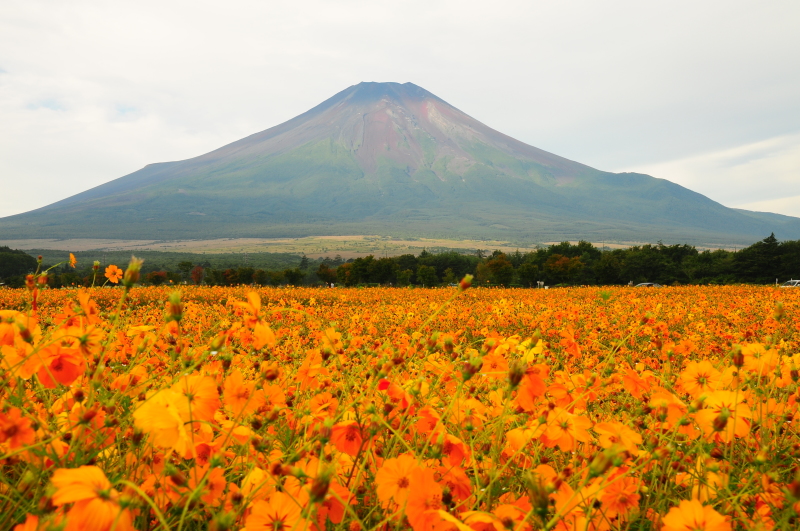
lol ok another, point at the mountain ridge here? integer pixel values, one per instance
(391, 159)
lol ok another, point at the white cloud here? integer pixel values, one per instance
(92, 91)
(761, 175)
(789, 206)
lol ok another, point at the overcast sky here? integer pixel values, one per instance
(705, 94)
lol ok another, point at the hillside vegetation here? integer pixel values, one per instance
(763, 262)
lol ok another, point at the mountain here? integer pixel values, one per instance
(390, 159)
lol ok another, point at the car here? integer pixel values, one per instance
(648, 285)
(791, 284)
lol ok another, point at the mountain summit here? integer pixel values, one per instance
(392, 159)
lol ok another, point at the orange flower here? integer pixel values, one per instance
(72, 260)
(201, 396)
(565, 430)
(424, 499)
(280, 512)
(725, 416)
(698, 378)
(611, 433)
(60, 364)
(214, 484)
(346, 436)
(16, 429)
(240, 397)
(114, 274)
(164, 415)
(394, 478)
(691, 515)
(620, 497)
(96, 505)
(31, 523)
(323, 405)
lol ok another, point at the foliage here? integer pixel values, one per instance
(560, 264)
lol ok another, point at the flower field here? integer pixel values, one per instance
(469, 409)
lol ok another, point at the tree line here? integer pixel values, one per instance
(564, 264)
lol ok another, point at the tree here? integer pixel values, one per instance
(383, 271)
(563, 269)
(326, 274)
(426, 275)
(197, 275)
(501, 271)
(156, 278)
(760, 262)
(294, 277)
(608, 269)
(245, 275)
(275, 278)
(449, 276)
(343, 274)
(14, 262)
(230, 277)
(405, 277)
(528, 274)
(185, 268)
(261, 277)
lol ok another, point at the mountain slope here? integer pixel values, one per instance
(394, 159)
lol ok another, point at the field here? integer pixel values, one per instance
(312, 246)
(482, 409)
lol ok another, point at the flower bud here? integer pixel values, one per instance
(465, 283)
(537, 493)
(319, 488)
(515, 374)
(780, 313)
(96, 266)
(738, 357)
(132, 273)
(722, 420)
(174, 307)
(471, 368)
(603, 461)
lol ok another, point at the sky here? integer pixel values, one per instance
(704, 94)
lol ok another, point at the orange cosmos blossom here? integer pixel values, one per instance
(394, 478)
(60, 365)
(611, 433)
(95, 504)
(31, 523)
(725, 416)
(280, 512)
(621, 496)
(565, 430)
(700, 377)
(323, 405)
(164, 415)
(114, 274)
(15, 429)
(72, 260)
(347, 437)
(424, 499)
(200, 393)
(691, 515)
(240, 397)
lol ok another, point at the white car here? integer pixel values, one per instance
(791, 284)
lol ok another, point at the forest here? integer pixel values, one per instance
(767, 261)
